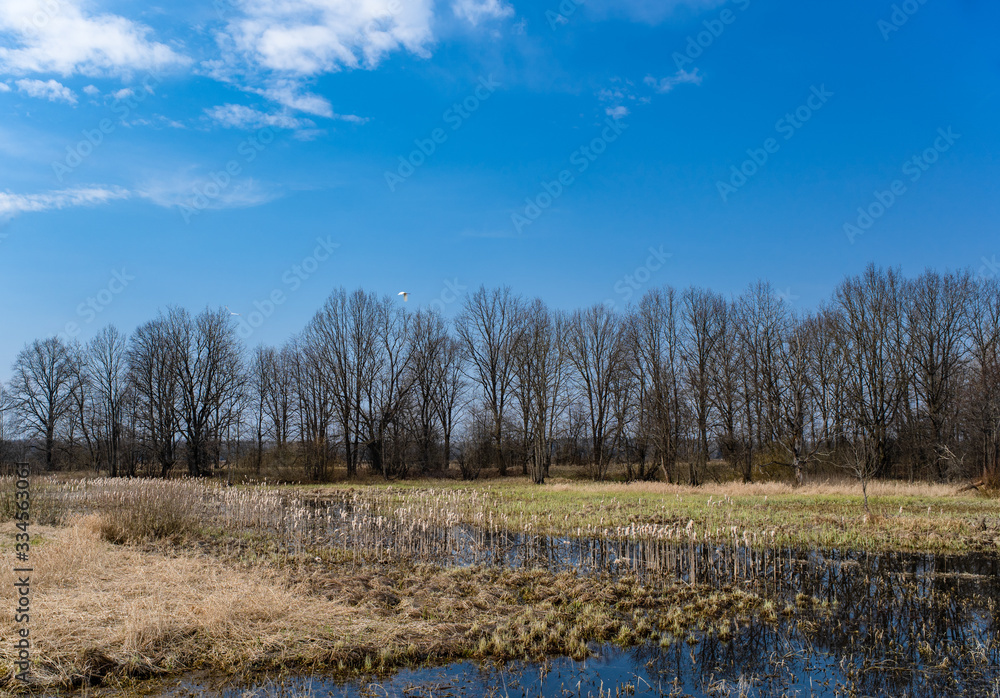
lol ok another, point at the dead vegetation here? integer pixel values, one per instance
(106, 613)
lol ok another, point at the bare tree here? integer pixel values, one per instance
(984, 340)
(7, 429)
(861, 458)
(759, 321)
(936, 308)
(596, 349)
(871, 332)
(43, 390)
(702, 314)
(449, 391)
(272, 393)
(209, 377)
(388, 388)
(259, 382)
(541, 357)
(656, 344)
(725, 385)
(107, 359)
(86, 420)
(316, 404)
(489, 327)
(830, 367)
(154, 377)
(803, 435)
(430, 340)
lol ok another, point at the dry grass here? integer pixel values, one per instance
(829, 487)
(99, 608)
(150, 510)
(111, 613)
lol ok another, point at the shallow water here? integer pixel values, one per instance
(898, 625)
(891, 625)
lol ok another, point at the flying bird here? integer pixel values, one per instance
(405, 295)
(230, 311)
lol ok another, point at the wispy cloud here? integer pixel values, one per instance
(60, 37)
(49, 89)
(239, 116)
(187, 192)
(12, 204)
(275, 47)
(681, 77)
(4, 87)
(476, 11)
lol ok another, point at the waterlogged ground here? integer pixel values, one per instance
(833, 623)
(896, 625)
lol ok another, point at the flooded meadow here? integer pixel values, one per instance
(780, 621)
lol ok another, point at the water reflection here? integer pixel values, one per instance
(895, 625)
(846, 624)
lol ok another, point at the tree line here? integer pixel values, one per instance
(891, 377)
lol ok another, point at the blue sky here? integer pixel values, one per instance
(120, 120)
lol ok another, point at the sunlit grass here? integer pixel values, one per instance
(906, 517)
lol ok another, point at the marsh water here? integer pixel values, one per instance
(897, 625)
(888, 624)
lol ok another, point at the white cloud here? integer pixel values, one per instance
(475, 11)
(157, 121)
(274, 47)
(182, 191)
(239, 116)
(50, 90)
(664, 85)
(618, 112)
(91, 91)
(289, 94)
(13, 204)
(57, 36)
(4, 87)
(311, 37)
(123, 93)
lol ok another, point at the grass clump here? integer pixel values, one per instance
(150, 511)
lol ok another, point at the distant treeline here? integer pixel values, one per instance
(893, 377)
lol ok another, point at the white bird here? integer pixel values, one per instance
(230, 311)
(405, 295)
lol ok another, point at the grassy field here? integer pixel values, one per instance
(828, 515)
(130, 583)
